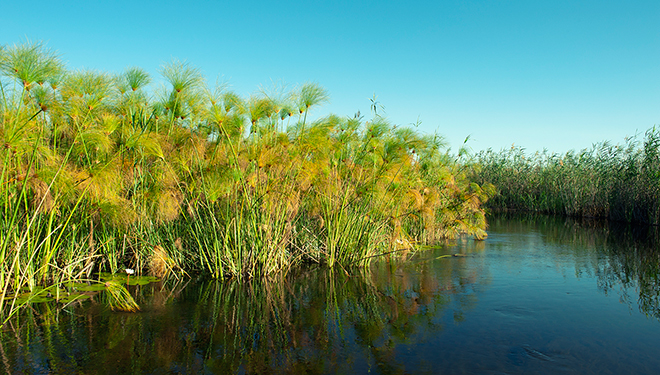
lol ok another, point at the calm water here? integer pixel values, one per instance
(539, 296)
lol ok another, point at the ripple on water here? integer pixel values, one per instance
(542, 361)
(514, 312)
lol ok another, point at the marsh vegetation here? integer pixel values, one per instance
(102, 171)
(619, 182)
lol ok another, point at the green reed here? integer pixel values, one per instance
(619, 182)
(100, 174)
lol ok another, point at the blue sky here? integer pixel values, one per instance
(541, 74)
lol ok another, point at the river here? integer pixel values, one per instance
(540, 295)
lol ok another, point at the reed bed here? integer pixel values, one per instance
(619, 182)
(101, 172)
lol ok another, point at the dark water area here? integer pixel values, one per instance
(541, 295)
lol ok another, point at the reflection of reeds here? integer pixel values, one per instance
(315, 312)
(316, 321)
(624, 259)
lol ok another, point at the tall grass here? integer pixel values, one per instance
(99, 172)
(619, 182)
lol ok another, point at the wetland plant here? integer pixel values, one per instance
(618, 182)
(100, 173)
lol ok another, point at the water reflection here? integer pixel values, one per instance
(495, 306)
(624, 259)
(313, 322)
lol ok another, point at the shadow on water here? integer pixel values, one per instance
(494, 306)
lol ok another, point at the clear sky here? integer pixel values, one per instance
(541, 74)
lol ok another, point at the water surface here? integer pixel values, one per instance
(539, 296)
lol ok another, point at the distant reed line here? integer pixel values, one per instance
(618, 182)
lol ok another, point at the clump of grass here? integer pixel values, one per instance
(619, 182)
(160, 263)
(96, 173)
(119, 298)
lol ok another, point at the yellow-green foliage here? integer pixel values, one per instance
(226, 185)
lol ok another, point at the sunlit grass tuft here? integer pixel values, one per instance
(98, 174)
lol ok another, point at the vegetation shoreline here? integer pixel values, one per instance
(615, 182)
(99, 174)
